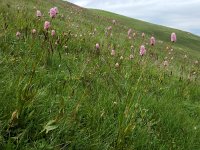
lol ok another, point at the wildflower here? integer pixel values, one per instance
(117, 65)
(114, 22)
(109, 28)
(143, 34)
(121, 58)
(173, 37)
(134, 34)
(38, 13)
(53, 33)
(142, 50)
(131, 56)
(33, 31)
(47, 25)
(56, 9)
(113, 52)
(53, 12)
(165, 63)
(132, 47)
(97, 46)
(18, 34)
(152, 41)
(129, 32)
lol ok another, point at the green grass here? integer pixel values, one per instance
(59, 93)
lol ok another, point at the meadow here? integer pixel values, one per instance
(76, 78)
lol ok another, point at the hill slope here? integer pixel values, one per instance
(186, 40)
(63, 92)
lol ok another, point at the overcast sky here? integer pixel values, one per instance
(180, 14)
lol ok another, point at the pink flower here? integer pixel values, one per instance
(142, 50)
(129, 32)
(53, 33)
(33, 31)
(97, 46)
(38, 13)
(113, 52)
(152, 41)
(53, 12)
(173, 37)
(18, 34)
(47, 25)
(56, 9)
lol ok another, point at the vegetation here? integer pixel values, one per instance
(62, 91)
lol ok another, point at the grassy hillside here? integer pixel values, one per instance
(186, 40)
(61, 92)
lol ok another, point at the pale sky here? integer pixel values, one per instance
(180, 14)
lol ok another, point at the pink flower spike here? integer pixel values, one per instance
(152, 41)
(129, 32)
(142, 50)
(97, 46)
(47, 25)
(53, 12)
(38, 13)
(53, 33)
(173, 37)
